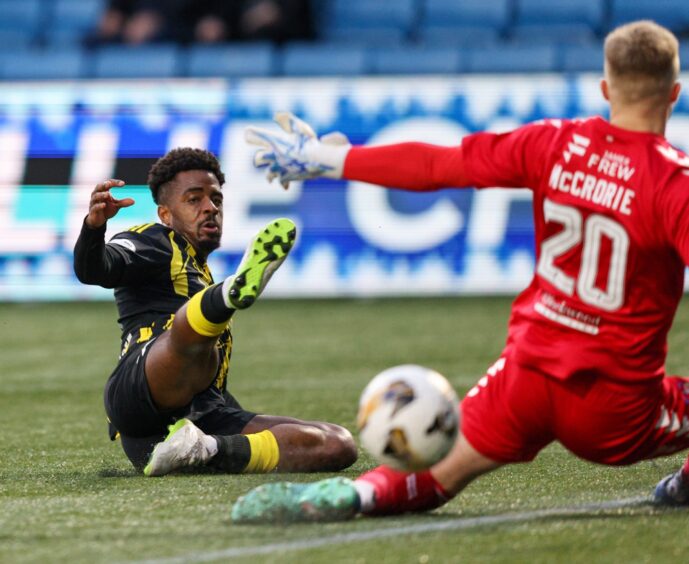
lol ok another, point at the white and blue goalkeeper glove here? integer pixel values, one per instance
(295, 153)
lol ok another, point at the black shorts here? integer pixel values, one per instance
(140, 424)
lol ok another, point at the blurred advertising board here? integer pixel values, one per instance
(57, 140)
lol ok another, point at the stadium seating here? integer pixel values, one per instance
(400, 14)
(327, 60)
(17, 38)
(22, 16)
(495, 14)
(231, 60)
(367, 36)
(559, 34)
(684, 58)
(459, 35)
(467, 23)
(414, 60)
(546, 12)
(670, 13)
(72, 20)
(151, 61)
(43, 64)
(25, 13)
(512, 58)
(558, 22)
(582, 58)
(78, 13)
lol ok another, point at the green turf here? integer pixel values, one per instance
(68, 495)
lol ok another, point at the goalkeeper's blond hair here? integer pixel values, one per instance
(641, 61)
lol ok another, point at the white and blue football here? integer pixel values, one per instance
(408, 417)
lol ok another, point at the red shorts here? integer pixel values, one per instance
(513, 412)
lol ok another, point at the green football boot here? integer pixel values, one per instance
(333, 499)
(264, 255)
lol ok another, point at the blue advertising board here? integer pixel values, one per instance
(57, 140)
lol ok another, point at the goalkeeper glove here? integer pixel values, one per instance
(295, 153)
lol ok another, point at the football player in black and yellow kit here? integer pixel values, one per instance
(167, 398)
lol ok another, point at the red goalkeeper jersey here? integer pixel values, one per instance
(611, 228)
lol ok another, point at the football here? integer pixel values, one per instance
(408, 417)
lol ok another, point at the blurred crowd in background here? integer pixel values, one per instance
(93, 39)
(136, 22)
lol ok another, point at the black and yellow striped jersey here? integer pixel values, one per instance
(154, 271)
(161, 272)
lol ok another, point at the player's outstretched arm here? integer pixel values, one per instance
(94, 262)
(296, 153)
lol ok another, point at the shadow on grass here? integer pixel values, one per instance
(438, 522)
(118, 473)
(133, 472)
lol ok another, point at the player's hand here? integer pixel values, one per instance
(295, 153)
(104, 205)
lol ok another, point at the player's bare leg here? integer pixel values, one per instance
(384, 491)
(307, 446)
(461, 467)
(180, 364)
(183, 361)
(267, 444)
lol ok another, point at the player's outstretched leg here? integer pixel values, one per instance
(263, 256)
(208, 312)
(381, 491)
(672, 490)
(185, 445)
(333, 499)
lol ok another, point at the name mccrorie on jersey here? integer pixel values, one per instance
(592, 187)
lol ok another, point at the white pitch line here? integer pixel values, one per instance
(359, 536)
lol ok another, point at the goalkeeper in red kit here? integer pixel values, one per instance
(584, 361)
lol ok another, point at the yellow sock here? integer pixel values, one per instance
(198, 321)
(265, 453)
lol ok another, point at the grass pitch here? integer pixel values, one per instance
(67, 494)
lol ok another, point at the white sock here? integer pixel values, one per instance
(211, 445)
(367, 495)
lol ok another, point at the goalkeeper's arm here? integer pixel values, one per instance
(297, 153)
(411, 166)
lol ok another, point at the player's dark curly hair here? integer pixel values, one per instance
(180, 160)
